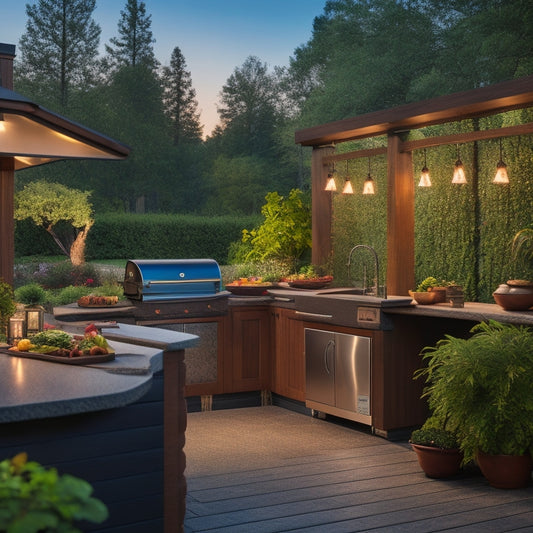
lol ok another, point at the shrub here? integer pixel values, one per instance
(30, 294)
(63, 274)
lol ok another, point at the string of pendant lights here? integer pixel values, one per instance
(459, 176)
(369, 186)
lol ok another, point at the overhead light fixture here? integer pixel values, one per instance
(330, 184)
(348, 189)
(459, 177)
(425, 180)
(501, 177)
(369, 186)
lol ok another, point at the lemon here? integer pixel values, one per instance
(23, 345)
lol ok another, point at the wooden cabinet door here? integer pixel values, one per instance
(289, 356)
(250, 349)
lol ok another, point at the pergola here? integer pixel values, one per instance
(395, 123)
(31, 135)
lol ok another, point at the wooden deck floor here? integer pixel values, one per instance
(262, 470)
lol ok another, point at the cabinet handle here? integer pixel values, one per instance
(331, 343)
(316, 315)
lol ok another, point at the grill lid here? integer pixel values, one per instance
(171, 279)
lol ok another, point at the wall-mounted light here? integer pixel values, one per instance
(330, 183)
(368, 186)
(425, 180)
(347, 189)
(459, 177)
(501, 176)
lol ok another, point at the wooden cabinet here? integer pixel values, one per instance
(288, 361)
(248, 350)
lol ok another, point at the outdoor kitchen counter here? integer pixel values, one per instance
(472, 311)
(34, 389)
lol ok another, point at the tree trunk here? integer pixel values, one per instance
(77, 249)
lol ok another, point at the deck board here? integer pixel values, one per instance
(361, 484)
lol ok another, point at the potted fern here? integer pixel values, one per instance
(437, 449)
(482, 387)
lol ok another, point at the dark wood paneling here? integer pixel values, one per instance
(118, 451)
(250, 349)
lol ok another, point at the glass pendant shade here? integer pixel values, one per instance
(459, 177)
(368, 186)
(348, 189)
(425, 180)
(501, 176)
(330, 184)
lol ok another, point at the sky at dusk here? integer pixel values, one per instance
(214, 36)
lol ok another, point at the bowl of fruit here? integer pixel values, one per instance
(308, 278)
(251, 286)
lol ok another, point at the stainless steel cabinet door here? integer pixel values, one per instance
(352, 373)
(320, 366)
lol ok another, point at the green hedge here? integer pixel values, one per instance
(131, 236)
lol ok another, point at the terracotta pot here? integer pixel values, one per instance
(506, 471)
(514, 298)
(440, 294)
(436, 462)
(423, 298)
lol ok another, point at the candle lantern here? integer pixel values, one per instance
(16, 329)
(34, 319)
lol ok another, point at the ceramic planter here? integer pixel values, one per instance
(438, 462)
(506, 471)
(514, 296)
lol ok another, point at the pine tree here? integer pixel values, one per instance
(179, 100)
(59, 48)
(134, 46)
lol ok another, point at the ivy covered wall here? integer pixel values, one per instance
(463, 233)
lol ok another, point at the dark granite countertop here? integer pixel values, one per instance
(474, 311)
(33, 389)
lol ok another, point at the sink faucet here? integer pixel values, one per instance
(375, 288)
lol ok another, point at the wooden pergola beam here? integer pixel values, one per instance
(485, 101)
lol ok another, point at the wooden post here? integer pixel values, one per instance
(321, 207)
(401, 219)
(7, 180)
(174, 424)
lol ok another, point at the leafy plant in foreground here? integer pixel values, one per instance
(35, 498)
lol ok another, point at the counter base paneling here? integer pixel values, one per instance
(119, 451)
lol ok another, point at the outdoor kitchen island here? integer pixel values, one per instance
(107, 423)
(258, 351)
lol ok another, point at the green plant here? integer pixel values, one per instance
(427, 284)
(285, 233)
(435, 435)
(35, 499)
(30, 294)
(522, 250)
(482, 387)
(7, 307)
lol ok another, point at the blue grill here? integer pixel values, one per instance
(151, 280)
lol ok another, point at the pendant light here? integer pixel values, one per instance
(330, 184)
(348, 189)
(425, 180)
(459, 177)
(501, 177)
(369, 186)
